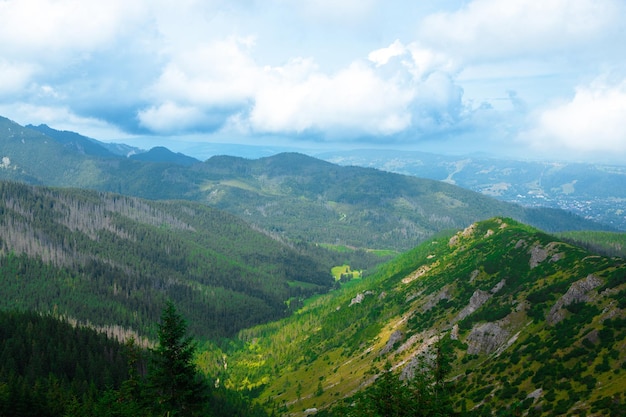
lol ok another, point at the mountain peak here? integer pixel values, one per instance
(162, 154)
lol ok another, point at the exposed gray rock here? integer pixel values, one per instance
(454, 333)
(444, 294)
(579, 291)
(394, 338)
(498, 286)
(538, 254)
(474, 274)
(478, 299)
(467, 232)
(360, 297)
(535, 394)
(486, 338)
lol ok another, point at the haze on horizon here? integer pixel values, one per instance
(516, 78)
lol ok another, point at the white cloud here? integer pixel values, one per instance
(405, 88)
(354, 101)
(499, 29)
(61, 118)
(14, 77)
(219, 73)
(170, 117)
(50, 26)
(594, 120)
(218, 77)
(383, 55)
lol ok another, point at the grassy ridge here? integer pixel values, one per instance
(537, 323)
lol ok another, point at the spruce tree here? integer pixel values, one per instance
(176, 388)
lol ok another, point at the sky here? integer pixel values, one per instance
(523, 78)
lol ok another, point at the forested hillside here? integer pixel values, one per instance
(113, 260)
(308, 199)
(49, 367)
(46, 365)
(607, 243)
(294, 196)
(534, 325)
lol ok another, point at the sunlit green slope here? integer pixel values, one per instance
(537, 324)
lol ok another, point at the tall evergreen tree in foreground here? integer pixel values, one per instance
(175, 386)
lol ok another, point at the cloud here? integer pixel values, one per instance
(220, 80)
(353, 102)
(61, 118)
(213, 80)
(494, 29)
(215, 74)
(593, 121)
(51, 27)
(383, 55)
(14, 77)
(170, 117)
(394, 96)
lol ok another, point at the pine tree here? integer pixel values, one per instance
(174, 383)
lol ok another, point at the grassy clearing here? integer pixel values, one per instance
(344, 271)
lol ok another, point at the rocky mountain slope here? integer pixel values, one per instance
(538, 327)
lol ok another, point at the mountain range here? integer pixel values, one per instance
(288, 194)
(594, 191)
(306, 283)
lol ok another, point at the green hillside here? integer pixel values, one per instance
(308, 199)
(606, 243)
(112, 261)
(537, 325)
(290, 195)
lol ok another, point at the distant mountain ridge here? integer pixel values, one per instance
(161, 154)
(313, 200)
(75, 142)
(593, 191)
(291, 195)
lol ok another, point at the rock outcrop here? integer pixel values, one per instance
(486, 338)
(579, 291)
(394, 338)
